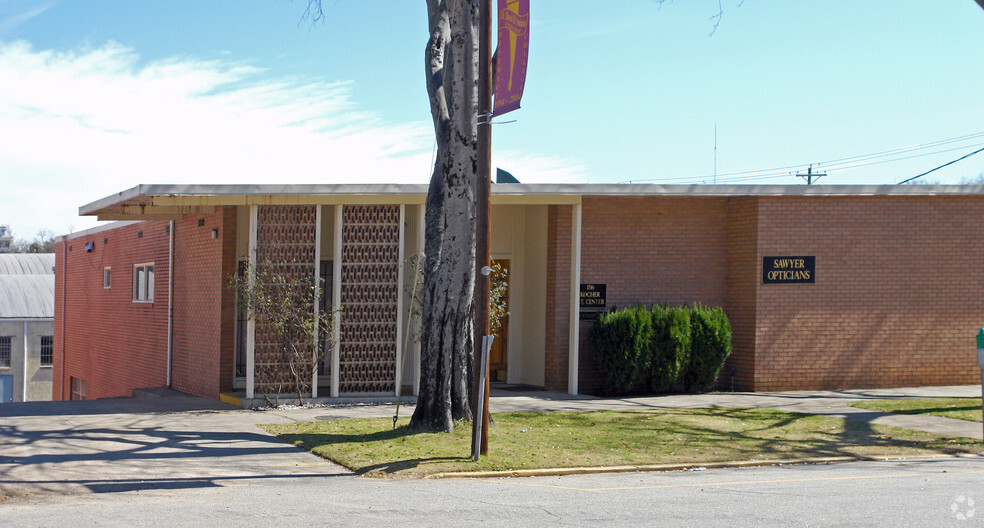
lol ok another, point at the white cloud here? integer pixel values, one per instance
(80, 125)
(529, 168)
(13, 13)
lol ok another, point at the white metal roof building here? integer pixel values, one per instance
(27, 264)
(27, 311)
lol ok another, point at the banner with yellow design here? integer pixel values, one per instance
(512, 55)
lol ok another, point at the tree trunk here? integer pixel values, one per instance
(446, 342)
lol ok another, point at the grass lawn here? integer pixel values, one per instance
(959, 408)
(609, 438)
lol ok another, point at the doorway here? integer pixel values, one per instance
(6, 388)
(498, 367)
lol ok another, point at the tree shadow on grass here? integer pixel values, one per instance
(312, 441)
(787, 435)
(938, 411)
(402, 465)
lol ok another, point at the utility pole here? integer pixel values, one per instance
(483, 194)
(809, 176)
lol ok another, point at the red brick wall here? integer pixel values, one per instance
(650, 250)
(898, 298)
(112, 343)
(204, 305)
(740, 295)
(557, 341)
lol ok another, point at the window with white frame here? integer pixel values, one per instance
(143, 282)
(78, 388)
(47, 350)
(107, 277)
(5, 351)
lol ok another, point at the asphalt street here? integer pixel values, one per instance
(943, 492)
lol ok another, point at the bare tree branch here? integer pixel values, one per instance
(314, 12)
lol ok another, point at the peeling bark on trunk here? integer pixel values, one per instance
(447, 348)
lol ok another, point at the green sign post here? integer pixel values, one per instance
(980, 362)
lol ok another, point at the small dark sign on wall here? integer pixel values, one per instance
(593, 296)
(789, 270)
(589, 316)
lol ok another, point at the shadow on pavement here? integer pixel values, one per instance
(113, 406)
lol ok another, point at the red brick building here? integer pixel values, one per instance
(826, 286)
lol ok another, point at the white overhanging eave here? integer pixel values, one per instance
(144, 200)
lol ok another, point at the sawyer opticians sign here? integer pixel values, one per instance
(593, 295)
(789, 270)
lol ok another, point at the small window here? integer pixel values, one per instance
(5, 351)
(107, 278)
(78, 388)
(143, 282)
(47, 350)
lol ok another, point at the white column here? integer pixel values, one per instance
(572, 360)
(251, 323)
(399, 301)
(336, 295)
(317, 297)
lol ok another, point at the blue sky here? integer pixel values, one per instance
(97, 96)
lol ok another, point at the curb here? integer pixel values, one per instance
(550, 472)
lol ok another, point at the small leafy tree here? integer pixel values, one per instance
(498, 294)
(283, 305)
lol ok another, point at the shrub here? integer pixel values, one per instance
(622, 342)
(666, 348)
(710, 332)
(671, 346)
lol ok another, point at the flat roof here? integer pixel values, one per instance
(171, 201)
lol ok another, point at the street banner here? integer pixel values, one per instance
(512, 54)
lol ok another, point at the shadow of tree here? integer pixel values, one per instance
(28, 454)
(310, 441)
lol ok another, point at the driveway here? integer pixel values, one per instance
(171, 442)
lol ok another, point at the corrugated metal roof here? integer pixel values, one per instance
(27, 296)
(27, 264)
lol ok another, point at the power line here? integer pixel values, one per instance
(965, 156)
(846, 163)
(810, 176)
(908, 148)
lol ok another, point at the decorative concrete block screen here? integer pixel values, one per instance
(285, 237)
(370, 289)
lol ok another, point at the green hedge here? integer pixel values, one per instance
(662, 349)
(623, 340)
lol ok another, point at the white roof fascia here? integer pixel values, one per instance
(532, 189)
(99, 229)
(113, 199)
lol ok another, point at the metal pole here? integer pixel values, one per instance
(980, 363)
(483, 248)
(482, 395)
(26, 348)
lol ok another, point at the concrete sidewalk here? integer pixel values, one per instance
(181, 441)
(830, 403)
